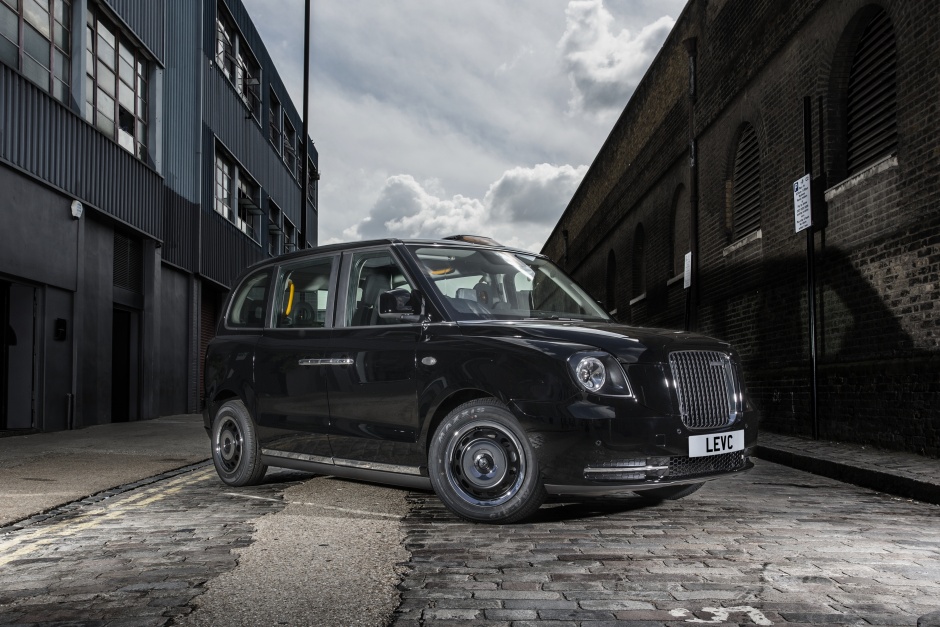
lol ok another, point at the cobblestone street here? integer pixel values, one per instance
(774, 546)
(135, 557)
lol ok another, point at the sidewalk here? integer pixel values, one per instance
(44, 470)
(901, 474)
(41, 471)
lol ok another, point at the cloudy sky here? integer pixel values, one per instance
(436, 117)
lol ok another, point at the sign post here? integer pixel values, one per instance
(803, 220)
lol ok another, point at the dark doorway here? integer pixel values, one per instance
(125, 359)
(7, 335)
(17, 359)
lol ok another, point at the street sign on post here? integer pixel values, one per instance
(687, 279)
(802, 204)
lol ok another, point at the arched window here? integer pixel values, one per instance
(745, 185)
(639, 262)
(611, 297)
(871, 99)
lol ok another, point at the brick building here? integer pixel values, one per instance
(745, 97)
(148, 153)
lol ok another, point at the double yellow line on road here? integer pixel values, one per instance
(35, 539)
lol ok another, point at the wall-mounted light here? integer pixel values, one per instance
(77, 209)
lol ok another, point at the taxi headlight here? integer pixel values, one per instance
(599, 373)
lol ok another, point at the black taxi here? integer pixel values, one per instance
(480, 372)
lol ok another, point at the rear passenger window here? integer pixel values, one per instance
(372, 273)
(303, 295)
(247, 308)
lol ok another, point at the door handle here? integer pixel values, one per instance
(334, 361)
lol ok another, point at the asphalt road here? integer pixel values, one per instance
(774, 546)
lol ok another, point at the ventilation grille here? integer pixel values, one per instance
(705, 387)
(128, 264)
(746, 207)
(872, 96)
(680, 467)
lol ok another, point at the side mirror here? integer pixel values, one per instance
(401, 305)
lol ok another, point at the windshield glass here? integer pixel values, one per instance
(481, 284)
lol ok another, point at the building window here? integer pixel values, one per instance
(290, 236)
(745, 185)
(274, 121)
(312, 178)
(35, 38)
(871, 101)
(242, 209)
(274, 229)
(237, 63)
(290, 147)
(639, 262)
(116, 84)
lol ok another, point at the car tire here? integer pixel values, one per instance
(482, 465)
(670, 493)
(235, 445)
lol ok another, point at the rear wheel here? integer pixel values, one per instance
(235, 446)
(482, 465)
(670, 493)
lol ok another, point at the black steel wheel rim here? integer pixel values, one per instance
(485, 463)
(229, 444)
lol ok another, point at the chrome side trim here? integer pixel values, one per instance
(401, 470)
(326, 362)
(621, 469)
(316, 459)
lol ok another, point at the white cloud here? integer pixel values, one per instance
(605, 68)
(519, 209)
(429, 107)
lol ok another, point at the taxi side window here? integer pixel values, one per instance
(303, 295)
(247, 308)
(372, 274)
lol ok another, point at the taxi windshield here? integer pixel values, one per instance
(487, 284)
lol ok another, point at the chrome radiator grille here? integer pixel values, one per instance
(705, 386)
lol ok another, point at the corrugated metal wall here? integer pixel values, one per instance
(146, 19)
(44, 138)
(225, 251)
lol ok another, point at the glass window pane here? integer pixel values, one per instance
(13, 4)
(37, 14)
(62, 38)
(60, 90)
(126, 54)
(105, 104)
(89, 111)
(61, 11)
(9, 24)
(8, 52)
(89, 63)
(127, 72)
(126, 96)
(36, 45)
(126, 141)
(105, 125)
(105, 51)
(61, 66)
(105, 78)
(106, 33)
(36, 72)
(141, 133)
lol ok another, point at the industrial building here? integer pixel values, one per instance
(689, 217)
(149, 151)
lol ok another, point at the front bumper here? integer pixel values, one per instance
(585, 448)
(654, 475)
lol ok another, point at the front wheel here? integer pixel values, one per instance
(482, 465)
(235, 445)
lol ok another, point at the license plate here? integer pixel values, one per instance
(716, 443)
